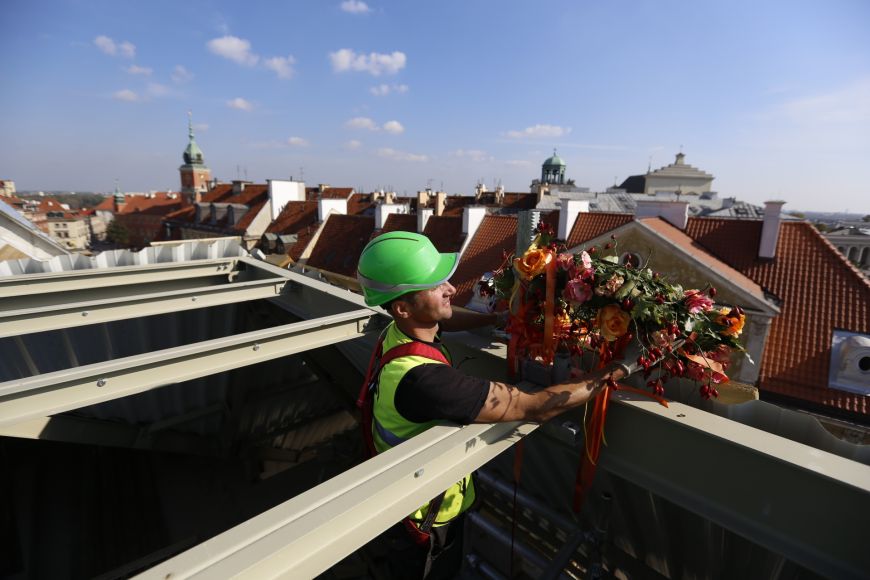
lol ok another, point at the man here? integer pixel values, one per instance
(404, 273)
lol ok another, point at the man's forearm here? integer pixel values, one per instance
(508, 403)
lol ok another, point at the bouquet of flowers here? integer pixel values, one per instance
(594, 302)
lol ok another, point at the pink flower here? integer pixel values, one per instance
(697, 302)
(565, 261)
(577, 291)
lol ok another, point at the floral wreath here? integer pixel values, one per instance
(592, 302)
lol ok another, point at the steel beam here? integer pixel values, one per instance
(41, 283)
(52, 393)
(806, 504)
(798, 501)
(307, 534)
(66, 315)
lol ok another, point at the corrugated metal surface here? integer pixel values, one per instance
(163, 253)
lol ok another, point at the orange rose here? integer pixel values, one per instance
(733, 323)
(612, 321)
(533, 262)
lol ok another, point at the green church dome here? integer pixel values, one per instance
(555, 160)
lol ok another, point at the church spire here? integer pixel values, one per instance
(193, 154)
(195, 176)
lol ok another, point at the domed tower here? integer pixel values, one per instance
(553, 170)
(194, 173)
(119, 198)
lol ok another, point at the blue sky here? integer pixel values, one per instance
(773, 98)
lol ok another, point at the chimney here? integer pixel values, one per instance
(382, 211)
(770, 229)
(423, 216)
(541, 189)
(675, 212)
(472, 217)
(390, 197)
(440, 203)
(570, 209)
(422, 199)
(325, 206)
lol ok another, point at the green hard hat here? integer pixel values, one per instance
(396, 263)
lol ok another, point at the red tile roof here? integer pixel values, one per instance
(445, 233)
(519, 201)
(359, 203)
(312, 193)
(341, 242)
(253, 211)
(399, 222)
(496, 236)
(454, 204)
(160, 203)
(296, 215)
(49, 204)
(590, 225)
(820, 292)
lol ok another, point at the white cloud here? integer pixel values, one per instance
(181, 74)
(139, 70)
(539, 131)
(283, 66)
(373, 63)
(393, 127)
(368, 124)
(384, 89)
(297, 142)
(476, 155)
(110, 47)
(233, 48)
(200, 127)
(355, 6)
(353, 144)
(127, 49)
(361, 123)
(126, 95)
(158, 90)
(518, 163)
(388, 153)
(240, 104)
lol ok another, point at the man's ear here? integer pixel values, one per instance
(400, 309)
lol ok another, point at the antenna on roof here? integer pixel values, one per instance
(238, 172)
(246, 172)
(649, 165)
(301, 173)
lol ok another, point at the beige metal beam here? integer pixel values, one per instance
(52, 393)
(66, 315)
(809, 505)
(798, 501)
(306, 535)
(24, 284)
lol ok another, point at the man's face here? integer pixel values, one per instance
(432, 305)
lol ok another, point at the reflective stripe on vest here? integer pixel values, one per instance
(390, 428)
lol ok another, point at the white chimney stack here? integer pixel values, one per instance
(568, 212)
(675, 212)
(327, 205)
(382, 211)
(423, 216)
(472, 217)
(770, 229)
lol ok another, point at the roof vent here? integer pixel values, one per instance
(850, 362)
